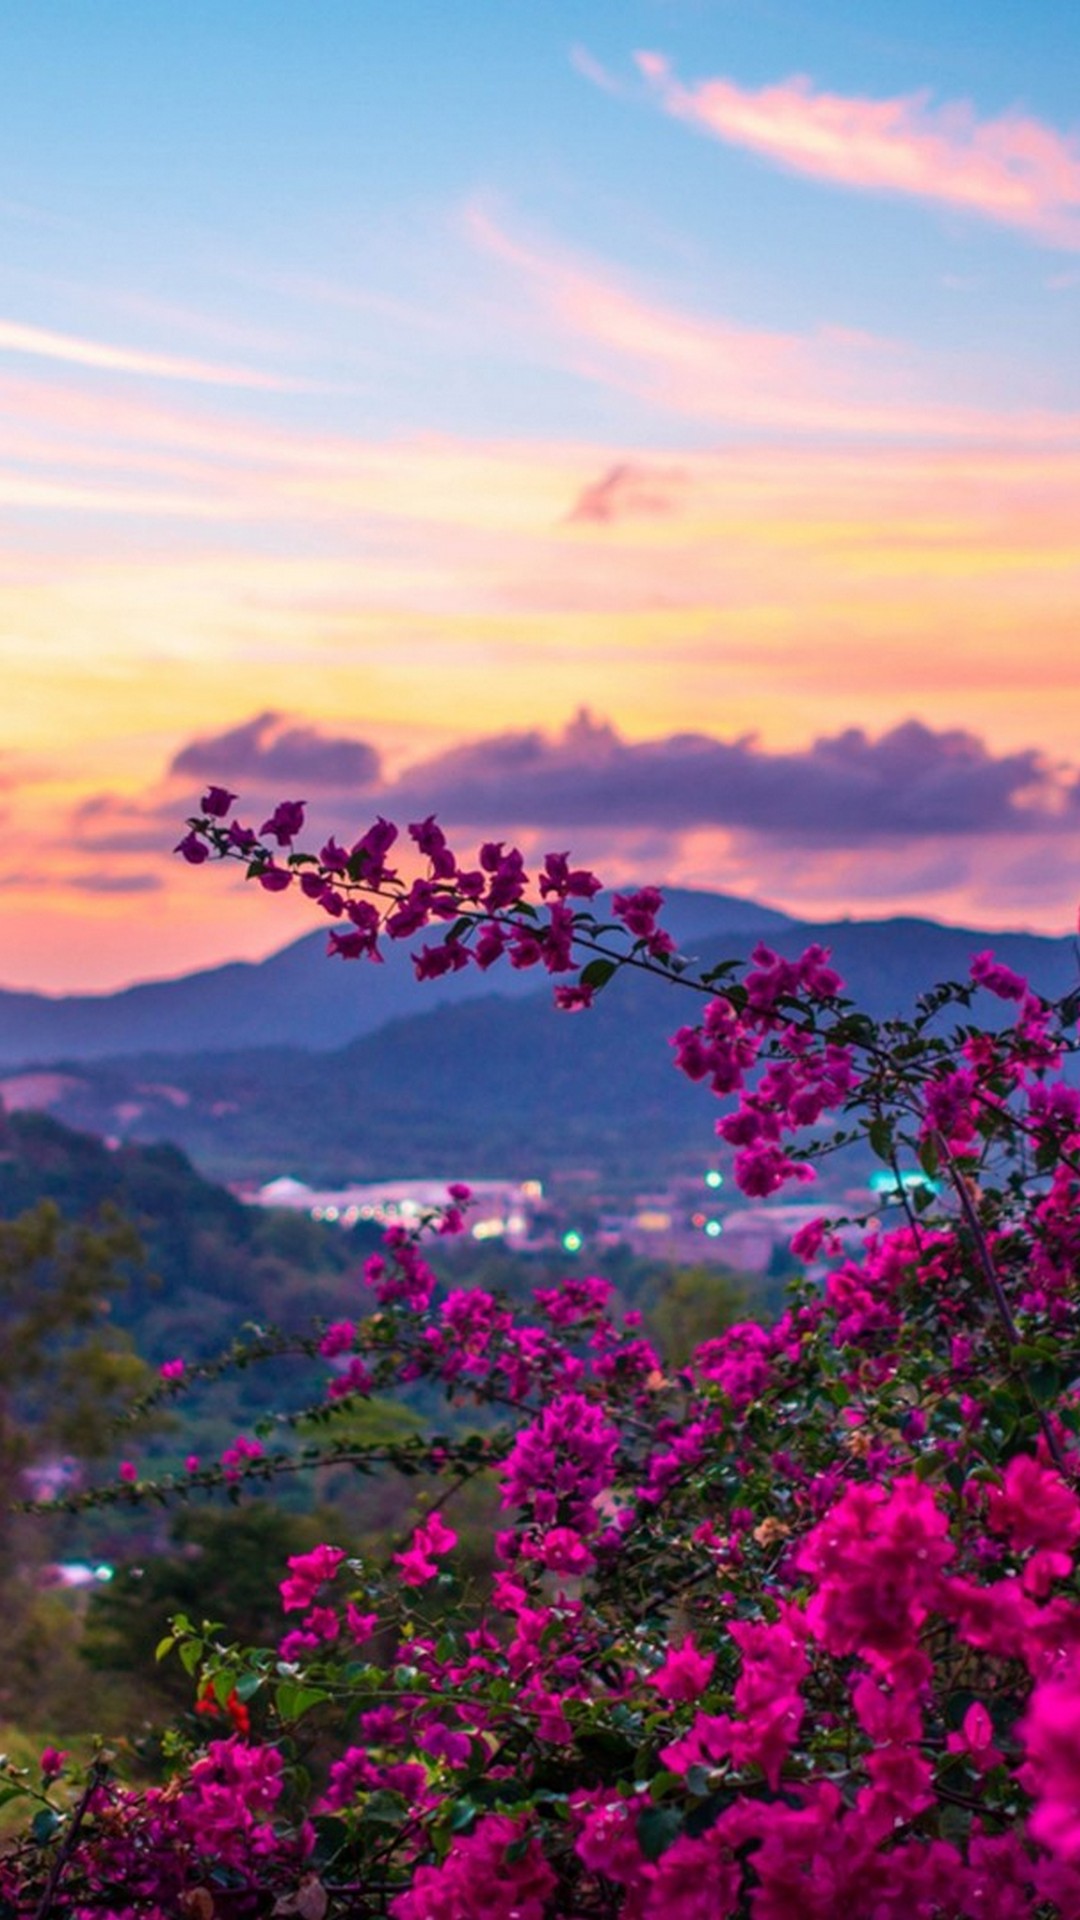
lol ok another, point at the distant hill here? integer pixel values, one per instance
(212, 1260)
(294, 998)
(497, 1085)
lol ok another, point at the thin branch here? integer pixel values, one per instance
(1005, 1312)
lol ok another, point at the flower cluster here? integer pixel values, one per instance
(791, 1631)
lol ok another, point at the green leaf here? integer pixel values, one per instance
(1045, 1383)
(191, 1653)
(165, 1646)
(44, 1825)
(657, 1827)
(292, 1699)
(223, 1686)
(598, 973)
(879, 1134)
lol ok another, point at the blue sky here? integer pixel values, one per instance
(422, 374)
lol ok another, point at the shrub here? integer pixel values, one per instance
(790, 1631)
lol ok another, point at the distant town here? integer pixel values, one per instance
(693, 1218)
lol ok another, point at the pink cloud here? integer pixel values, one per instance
(831, 380)
(41, 344)
(1013, 169)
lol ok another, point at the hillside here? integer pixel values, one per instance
(210, 1261)
(496, 1085)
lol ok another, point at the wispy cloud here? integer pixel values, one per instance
(1014, 170)
(40, 344)
(590, 68)
(831, 380)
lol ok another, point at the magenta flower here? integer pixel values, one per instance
(685, 1672)
(192, 849)
(286, 821)
(216, 802)
(307, 1573)
(1052, 1773)
(417, 1563)
(1033, 1507)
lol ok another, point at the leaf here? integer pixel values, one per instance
(44, 1825)
(657, 1828)
(331, 1835)
(292, 1699)
(1045, 1383)
(165, 1646)
(598, 973)
(879, 1134)
(223, 1686)
(191, 1652)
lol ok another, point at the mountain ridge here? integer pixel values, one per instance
(292, 997)
(498, 1083)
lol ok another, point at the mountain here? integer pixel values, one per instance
(498, 1085)
(293, 998)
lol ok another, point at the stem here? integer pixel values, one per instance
(98, 1773)
(1005, 1313)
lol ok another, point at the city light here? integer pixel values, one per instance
(572, 1241)
(713, 1228)
(714, 1178)
(884, 1182)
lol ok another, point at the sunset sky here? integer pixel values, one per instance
(650, 427)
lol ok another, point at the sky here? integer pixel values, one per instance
(648, 427)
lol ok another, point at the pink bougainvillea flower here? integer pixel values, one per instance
(417, 1562)
(1052, 1772)
(685, 1672)
(307, 1573)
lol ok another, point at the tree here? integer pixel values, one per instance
(65, 1375)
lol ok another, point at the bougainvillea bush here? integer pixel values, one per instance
(791, 1632)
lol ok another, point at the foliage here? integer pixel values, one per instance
(65, 1372)
(209, 1259)
(791, 1630)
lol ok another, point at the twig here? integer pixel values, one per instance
(1005, 1313)
(97, 1775)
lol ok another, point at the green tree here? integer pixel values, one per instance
(696, 1304)
(65, 1372)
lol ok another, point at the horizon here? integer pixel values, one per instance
(658, 437)
(313, 928)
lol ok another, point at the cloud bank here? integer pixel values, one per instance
(843, 790)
